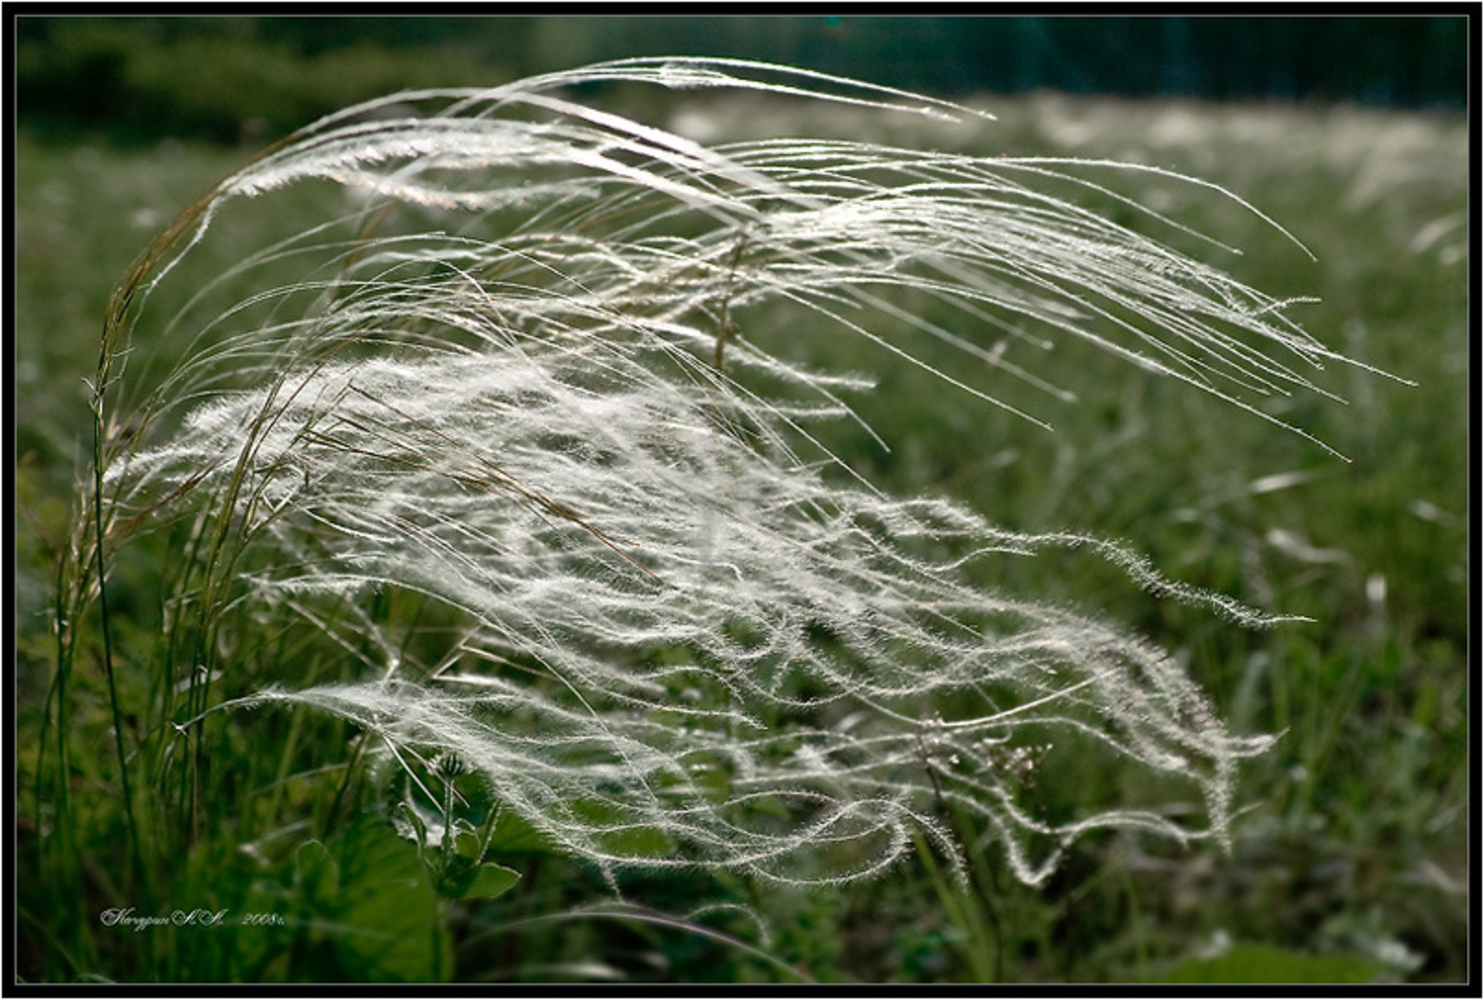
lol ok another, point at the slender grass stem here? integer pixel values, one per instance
(106, 633)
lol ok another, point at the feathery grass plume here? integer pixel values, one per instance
(532, 375)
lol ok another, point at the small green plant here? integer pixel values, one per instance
(513, 468)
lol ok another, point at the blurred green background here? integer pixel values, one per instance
(1350, 131)
(229, 77)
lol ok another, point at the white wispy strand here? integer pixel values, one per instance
(682, 614)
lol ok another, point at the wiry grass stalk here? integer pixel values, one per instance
(136, 854)
(537, 372)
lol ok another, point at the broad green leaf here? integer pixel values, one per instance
(489, 881)
(466, 844)
(384, 923)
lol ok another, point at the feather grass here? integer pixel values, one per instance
(536, 372)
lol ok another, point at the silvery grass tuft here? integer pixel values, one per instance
(533, 373)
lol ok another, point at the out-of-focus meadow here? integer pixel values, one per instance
(1352, 848)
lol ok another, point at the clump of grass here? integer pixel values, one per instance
(514, 440)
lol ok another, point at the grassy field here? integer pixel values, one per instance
(1349, 858)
